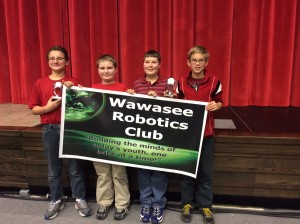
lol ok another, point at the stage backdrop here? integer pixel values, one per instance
(132, 130)
(254, 44)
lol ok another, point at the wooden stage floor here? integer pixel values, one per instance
(268, 121)
(17, 115)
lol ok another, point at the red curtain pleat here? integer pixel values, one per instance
(295, 82)
(19, 48)
(214, 27)
(132, 38)
(5, 84)
(254, 44)
(53, 23)
(263, 48)
(28, 30)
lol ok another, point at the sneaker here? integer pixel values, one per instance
(207, 216)
(102, 212)
(157, 215)
(186, 215)
(83, 208)
(145, 215)
(121, 213)
(53, 209)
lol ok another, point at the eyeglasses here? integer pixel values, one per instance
(200, 61)
(56, 59)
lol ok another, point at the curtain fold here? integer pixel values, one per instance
(5, 84)
(295, 82)
(27, 29)
(254, 44)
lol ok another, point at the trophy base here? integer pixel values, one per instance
(55, 98)
(169, 95)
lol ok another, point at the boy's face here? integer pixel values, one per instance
(107, 71)
(57, 61)
(151, 66)
(197, 63)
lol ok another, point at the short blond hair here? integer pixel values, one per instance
(107, 57)
(200, 50)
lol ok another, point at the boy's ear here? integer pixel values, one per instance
(188, 62)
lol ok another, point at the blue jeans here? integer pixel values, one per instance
(51, 135)
(153, 186)
(198, 192)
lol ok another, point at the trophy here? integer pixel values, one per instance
(57, 91)
(170, 88)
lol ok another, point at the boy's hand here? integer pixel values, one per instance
(213, 106)
(130, 91)
(50, 106)
(152, 93)
(68, 84)
(53, 104)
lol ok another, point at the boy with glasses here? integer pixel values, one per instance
(199, 85)
(46, 102)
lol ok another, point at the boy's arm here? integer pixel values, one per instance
(214, 106)
(217, 101)
(130, 91)
(50, 106)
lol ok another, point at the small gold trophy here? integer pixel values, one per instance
(57, 91)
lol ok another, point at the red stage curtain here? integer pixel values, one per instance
(28, 29)
(254, 44)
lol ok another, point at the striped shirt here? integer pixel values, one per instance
(142, 86)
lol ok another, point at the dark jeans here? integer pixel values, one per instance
(153, 186)
(198, 192)
(51, 135)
